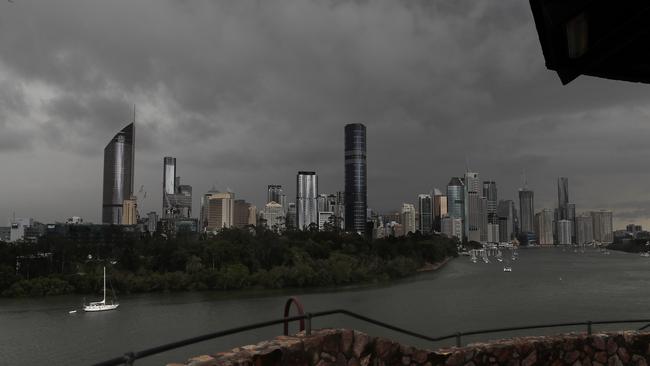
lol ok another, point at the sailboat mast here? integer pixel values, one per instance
(104, 284)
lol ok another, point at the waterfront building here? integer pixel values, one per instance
(472, 206)
(571, 216)
(483, 219)
(490, 192)
(493, 233)
(452, 227)
(603, 226)
(584, 229)
(152, 222)
(325, 220)
(221, 211)
(544, 227)
(306, 199)
(130, 211)
(526, 210)
(506, 213)
(356, 202)
(564, 232)
(408, 218)
(274, 216)
(425, 213)
(439, 209)
(473, 216)
(119, 158)
(456, 199)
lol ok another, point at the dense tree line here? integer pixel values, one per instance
(233, 259)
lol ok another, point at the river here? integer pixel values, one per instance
(546, 285)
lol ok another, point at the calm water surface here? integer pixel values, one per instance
(546, 285)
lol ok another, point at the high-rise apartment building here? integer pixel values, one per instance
(584, 227)
(544, 227)
(564, 232)
(603, 226)
(119, 170)
(204, 213)
(571, 216)
(152, 222)
(291, 216)
(221, 208)
(241, 212)
(456, 199)
(356, 202)
(408, 218)
(307, 199)
(439, 209)
(526, 210)
(425, 213)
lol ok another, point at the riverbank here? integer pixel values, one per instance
(430, 267)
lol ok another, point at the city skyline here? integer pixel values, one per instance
(228, 126)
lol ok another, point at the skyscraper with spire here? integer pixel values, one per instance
(119, 171)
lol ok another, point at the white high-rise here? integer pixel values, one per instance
(564, 232)
(306, 200)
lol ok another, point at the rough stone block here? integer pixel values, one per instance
(361, 341)
(530, 359)
(203, 360)
(347, 340)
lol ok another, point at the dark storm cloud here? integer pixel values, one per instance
(246, 93)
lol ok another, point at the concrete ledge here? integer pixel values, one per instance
(343, 347)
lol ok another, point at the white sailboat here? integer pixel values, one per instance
(101, 305)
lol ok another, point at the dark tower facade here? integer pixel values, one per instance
(563, 198)
(119, 159)
(356, 202)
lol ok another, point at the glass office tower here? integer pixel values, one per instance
(119, 158)
(356, 202)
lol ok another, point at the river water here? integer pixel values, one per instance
(546, 285)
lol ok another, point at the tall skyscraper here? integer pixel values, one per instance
(506, 214)
(526, 210)
(472, 197)
(204, 214)
(356, 201)
(119, 170)
(439, 209)
(274, 216)
(456, 200)
(490, 192)
(241, 211)
(291, 218)
(307, 199)
(130, 211)
(563, 198)
(183, 199)
(169, 186)
(425, 213)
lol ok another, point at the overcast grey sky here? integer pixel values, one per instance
(246, 93)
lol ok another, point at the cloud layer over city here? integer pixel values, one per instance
(246, 93)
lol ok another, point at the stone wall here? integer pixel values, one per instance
(341, 347)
